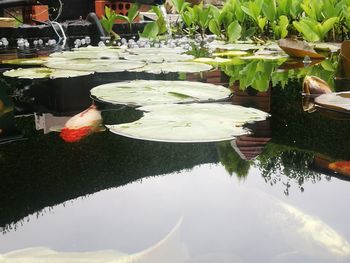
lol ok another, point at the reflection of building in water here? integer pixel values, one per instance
(48, 123)
(250, 146)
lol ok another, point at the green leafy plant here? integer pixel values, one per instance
(133, 12)
(280, 27)
(108, 20)
(313, 30)
(155, 28)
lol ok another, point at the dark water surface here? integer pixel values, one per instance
(264, 198)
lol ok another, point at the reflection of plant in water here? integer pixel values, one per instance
(258, 73)
(325, 70)
(254, 73)
(232, 162)
(278, 162)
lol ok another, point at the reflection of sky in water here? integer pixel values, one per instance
(223, 218)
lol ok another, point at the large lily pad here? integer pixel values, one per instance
(40, 73)
(186, 67)
(198, 122)
(335, 101)
(158, 58)
(146, 92)
(26, 61)
(96, 65)
(90, 54)
(157, 50)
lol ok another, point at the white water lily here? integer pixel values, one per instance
(146, 92)
(187, 67)
(198, 122)
(39, 73)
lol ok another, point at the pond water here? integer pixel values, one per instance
(263, 197)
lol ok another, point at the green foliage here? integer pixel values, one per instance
(315, 20)
(156, 28)
(280, 27)
(254, 73)
(314, 31)
(108, 20)
(233, 163)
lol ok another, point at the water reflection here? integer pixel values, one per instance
(133, 191)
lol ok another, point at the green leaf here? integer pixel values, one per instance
(234, 31)
(121, 17)
(214, 27)
(187, 18)
(151, 30)
(269, 9)
(180, 5)
(133, 12)
(327, 26)
(308, 33)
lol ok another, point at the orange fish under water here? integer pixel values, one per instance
(82, 125)
(340, 167)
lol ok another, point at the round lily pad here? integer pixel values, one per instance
(157, 50)
(40, 73)
(158, 58)
(38, 61)
(96, 65)
(148, 92)
(189, 123)
(95, 54)
(187, 67)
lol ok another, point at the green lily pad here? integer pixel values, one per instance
(148, 92)
(90, 54)
(187, 67)
(237, 46)
(158, 58)
(189, 123)
(40, 73)
(231, 53)
(26, 61)
(95, 65)
(266, 57)
(213, 61)
(156, 50)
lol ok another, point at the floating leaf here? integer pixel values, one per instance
(26, 61)
(232, 53)
(90, 54)
(213, 61)
(156, 50)
(96, 65)
(146, 92)
(157, 58)
(198, 122)
(189, 67)
(39, 73)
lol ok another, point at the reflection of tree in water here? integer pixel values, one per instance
(232, 162)
(283, 164)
